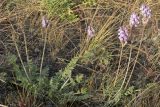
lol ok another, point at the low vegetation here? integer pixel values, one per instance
(79, 53)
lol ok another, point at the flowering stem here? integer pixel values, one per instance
(44, 48)
(127, 64)
(136, 57)
(129, 61)
(127, 67)
(123, 37)
(119, 65)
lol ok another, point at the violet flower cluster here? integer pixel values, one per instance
(146, 13)
(123, 34)
(134, 20)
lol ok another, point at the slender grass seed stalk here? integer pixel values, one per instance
(44, 25)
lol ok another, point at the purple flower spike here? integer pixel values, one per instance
(44, 22)
(123, 34)
(134, 20)
(90, 32)
(146, 13)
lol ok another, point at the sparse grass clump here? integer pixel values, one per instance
(70, 53)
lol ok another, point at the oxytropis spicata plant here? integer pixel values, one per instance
(124, 34)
